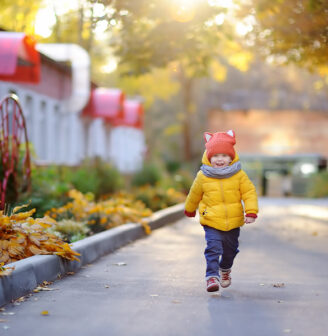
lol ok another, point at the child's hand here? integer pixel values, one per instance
(190, 214)
(249, 220)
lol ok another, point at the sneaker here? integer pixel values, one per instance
(212, 284)
(225, 278)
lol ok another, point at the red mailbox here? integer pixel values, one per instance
(105, 103)
(19, 60)
(132, 114)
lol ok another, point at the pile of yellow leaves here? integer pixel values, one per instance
(120, 209)
(22, 236)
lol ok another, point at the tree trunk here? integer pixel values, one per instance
(186, 86)
(81, 25)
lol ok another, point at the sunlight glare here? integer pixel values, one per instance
(111, 66)
(246, 26)
(222, 3)
(219, 19)
(45, 18)
(44, 21)
(183, 10)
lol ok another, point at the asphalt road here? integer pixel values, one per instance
(155, 286)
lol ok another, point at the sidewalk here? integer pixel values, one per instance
(32, 271)
(155, 286)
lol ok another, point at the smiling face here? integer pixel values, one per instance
(220, 160)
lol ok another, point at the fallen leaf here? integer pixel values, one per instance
(45, 313)
(45, 289)
(279, 285)
(315, 233)
(2, 320)
(176, 301)
(215, 294)
(106, 286)
(21, 299)
(70, 273)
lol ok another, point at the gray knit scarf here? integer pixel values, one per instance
(221, 173)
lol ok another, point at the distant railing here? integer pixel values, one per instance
(15, 166)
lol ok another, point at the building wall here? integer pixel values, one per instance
(274, 132)
(55, 82)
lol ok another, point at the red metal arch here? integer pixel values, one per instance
(15, 170)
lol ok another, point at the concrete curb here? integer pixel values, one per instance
(30, 272)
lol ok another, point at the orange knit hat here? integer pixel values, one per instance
(220, 143)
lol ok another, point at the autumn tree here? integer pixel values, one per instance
(19, 15)
(292, 31)
(182, 34)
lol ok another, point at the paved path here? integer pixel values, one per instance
(155, 286)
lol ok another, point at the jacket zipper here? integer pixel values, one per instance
(225, 207)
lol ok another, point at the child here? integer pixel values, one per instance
(218, 191)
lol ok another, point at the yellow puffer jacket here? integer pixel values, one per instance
(220, 200)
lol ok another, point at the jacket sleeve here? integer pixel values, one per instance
(195, 194)
(248, 195)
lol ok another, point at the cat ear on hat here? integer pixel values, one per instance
(231, 133)
(208, 136)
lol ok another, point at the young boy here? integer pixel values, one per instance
(218, 191)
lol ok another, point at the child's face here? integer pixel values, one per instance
(220, 160)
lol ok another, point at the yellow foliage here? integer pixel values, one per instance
(157, 84)
(218, 71)
(21, 236)
(5, 270)
(119, 209)
(19, 15)
(241, 60)
(172, 130)
(236, 55)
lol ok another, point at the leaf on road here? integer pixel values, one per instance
(41, 288)
(3, 321)
(45, 313)
(279, 285)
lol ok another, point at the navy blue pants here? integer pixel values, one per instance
(221, 249)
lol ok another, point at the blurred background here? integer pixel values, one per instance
(119, 92)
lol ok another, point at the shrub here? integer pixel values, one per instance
(97, 177)
(84, 179)
(49, 188)
(69, 230)
(121, 208)
(149, 175)
(157, 198)
(318, 186)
